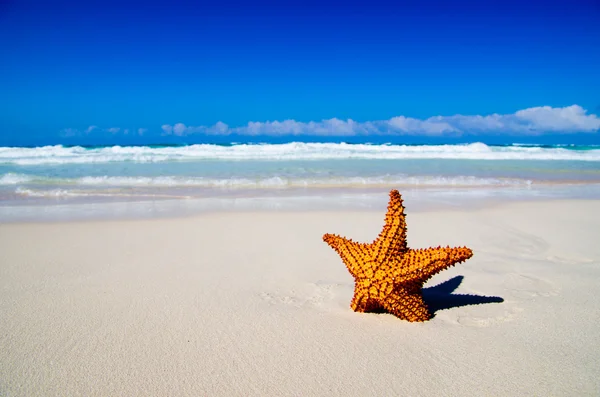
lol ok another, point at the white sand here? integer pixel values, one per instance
(256, 304)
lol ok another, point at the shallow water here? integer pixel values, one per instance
(136, 181)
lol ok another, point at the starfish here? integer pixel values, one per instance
(389, 276)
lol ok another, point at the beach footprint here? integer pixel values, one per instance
(518, 242)
(505, 316)
(276, 298)
(524, 286)
(572, 260)
(323, 295)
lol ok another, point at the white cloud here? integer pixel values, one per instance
(431, 126)
(531, 121)
(179, 129)
(219, 128)
(573, 117)
(69, 132)
(142, 131)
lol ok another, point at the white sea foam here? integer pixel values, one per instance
(275, 182)
(14, 179)
(55, 193)
(289, 151)
(282, 182)
(73, 193)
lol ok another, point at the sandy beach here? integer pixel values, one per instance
(255, 304)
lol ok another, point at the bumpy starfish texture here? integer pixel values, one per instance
(387, 274)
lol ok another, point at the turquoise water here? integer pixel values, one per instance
(296, 172)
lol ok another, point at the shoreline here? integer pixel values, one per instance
(197, 215)
(289, 201)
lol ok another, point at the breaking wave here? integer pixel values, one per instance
(289, 151)
(261, 182)
(15, 179)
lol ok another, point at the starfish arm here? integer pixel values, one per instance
(391, 241)
(420, 265)
(352, 253)
(407, 304)
(361, 302)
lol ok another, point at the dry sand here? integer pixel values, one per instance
(244, 304)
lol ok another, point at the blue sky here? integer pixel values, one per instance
(147, 72)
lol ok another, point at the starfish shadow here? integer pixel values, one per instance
(440, 297)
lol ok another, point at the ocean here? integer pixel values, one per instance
(100, 181)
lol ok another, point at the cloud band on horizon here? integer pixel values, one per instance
(531, 121)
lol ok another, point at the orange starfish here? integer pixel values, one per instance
(388, 275)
